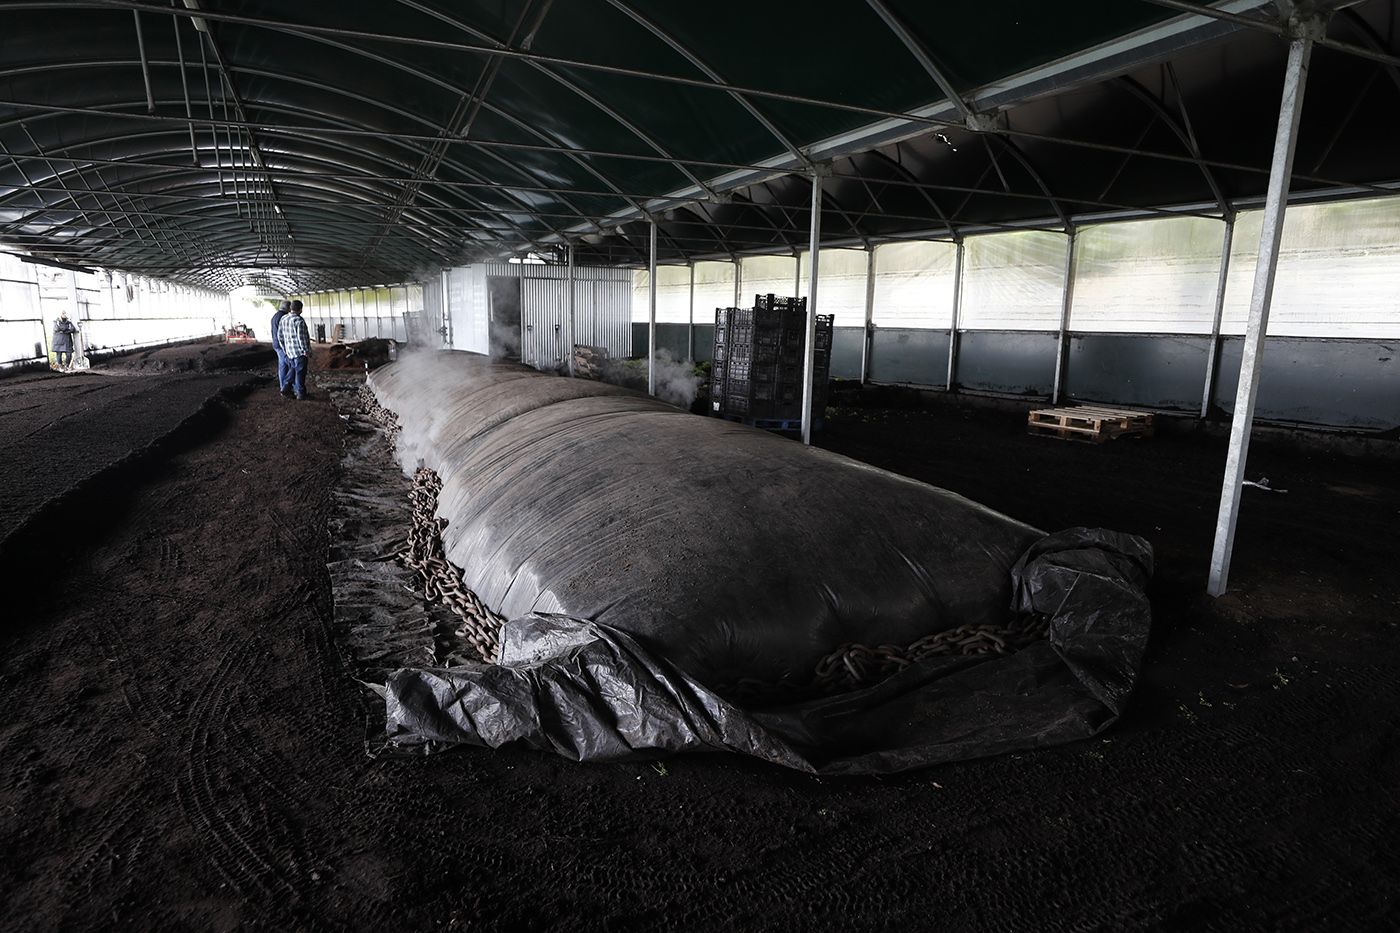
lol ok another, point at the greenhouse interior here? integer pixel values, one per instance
(579, 464)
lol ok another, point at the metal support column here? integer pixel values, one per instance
(1213, 350)
(961, 250)
(868, 333)
(1066, 302)
(1280, 172)
(809, 361)
(445, 325)
(738, 280)
(690, 329)
(651, 311)
(73, 295)
(797, 275)
(569, 348)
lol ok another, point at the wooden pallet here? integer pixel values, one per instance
(1092, 423)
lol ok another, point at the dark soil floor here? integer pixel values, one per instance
(182, 746)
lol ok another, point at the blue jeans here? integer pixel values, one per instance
(296, 375)
(283, 376)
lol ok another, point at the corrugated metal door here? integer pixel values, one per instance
(585, 315)
(543, 323)
(613, 312)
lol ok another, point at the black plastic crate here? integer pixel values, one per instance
(771, 302)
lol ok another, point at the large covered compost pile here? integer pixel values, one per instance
(678, 583)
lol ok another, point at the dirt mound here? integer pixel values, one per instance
(206, 357)
(372, 352)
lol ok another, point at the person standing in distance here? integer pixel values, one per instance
(63, 331)
(296, 346)
(283, 377)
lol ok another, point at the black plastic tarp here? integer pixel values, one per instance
(650, 559)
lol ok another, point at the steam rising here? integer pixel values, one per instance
(676, 381)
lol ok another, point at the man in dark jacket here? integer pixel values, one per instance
(63, 331)
(284, 377)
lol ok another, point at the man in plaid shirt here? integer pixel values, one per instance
(296, 345)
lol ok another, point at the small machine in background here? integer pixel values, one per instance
(239, 333)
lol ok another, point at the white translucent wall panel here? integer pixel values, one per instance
(382, 313)
(842, 291)
(134, 332)
(641, 309)
(1147, 276)
(914, 284)
(767, 275)
(355, 310)
(672, 295)
(1013, 281)
(21, 325)
(1338, 271)
(714, 288)
(398, 308)
(21, 340)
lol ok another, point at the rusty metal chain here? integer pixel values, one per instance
(442, 580)
(853, 665)
(386, 419)
(423, 551)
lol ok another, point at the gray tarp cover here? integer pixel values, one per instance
(649, 560)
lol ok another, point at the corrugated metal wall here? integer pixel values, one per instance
(602, 309)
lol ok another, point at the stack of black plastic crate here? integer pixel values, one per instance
(756, 375)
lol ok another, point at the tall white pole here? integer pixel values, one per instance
(958, 260)
(1066, 303)
(690, 328)
(570, 347)
(868, 333)
(1213, 350)
(1280, 173)
(810, 348)
(651, 312)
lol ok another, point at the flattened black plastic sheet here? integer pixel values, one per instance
(650, 559)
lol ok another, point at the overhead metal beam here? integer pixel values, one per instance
(145, 67)
(922, 56)
(1277, 26)
(1242, 419)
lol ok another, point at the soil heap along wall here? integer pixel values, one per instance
(651, 559)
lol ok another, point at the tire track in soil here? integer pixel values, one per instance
(244, 841)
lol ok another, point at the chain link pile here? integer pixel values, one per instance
(441, 580)
(853, 665)
(423, 552)
(383, 417)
